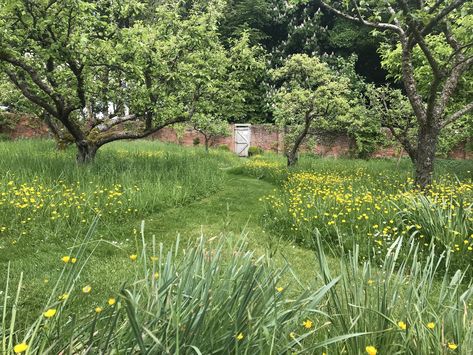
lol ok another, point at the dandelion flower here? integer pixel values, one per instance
(98, 309)
(279, 289)
(402, 325)
(19, 348)
(87, 289)
(73, 260)
(240, 336)
(452, 346)
(49, 313)
(431, 325)
(371, 350)
(156, 275)
(308, 324)
(64, 297)
(370, 282)
(111, 301)
(133, 257)
(66, 259)
(292, 335)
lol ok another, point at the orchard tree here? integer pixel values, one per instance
(210, 128)
(104, 71)
(424, 27)
(310, 93)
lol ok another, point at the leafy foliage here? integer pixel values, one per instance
(310, 93)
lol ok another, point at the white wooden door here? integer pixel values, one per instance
(242, 139)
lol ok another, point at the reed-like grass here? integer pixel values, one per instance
(216, 296)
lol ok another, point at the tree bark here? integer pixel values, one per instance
(86, 152)
(424, 163)
(291, 155)
(292, 158)
(206, 139)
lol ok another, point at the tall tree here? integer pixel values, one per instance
(412, 23)
(109, 70)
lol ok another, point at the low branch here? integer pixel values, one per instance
(405, 142)
(105, 126)
(137, 135)
(455, 116)
(33, 75)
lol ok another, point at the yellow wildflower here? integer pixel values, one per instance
(431, 325)
(19, 348)
(98, 309)
(64, 297)
(452, 346)
(66, 258)
(371, 350)
(87, 289)
(133, 257)
(308, 324)
(279, 289)
(156, 275)
(111, 301)
(240, 336)
(73, 260)
(402, 325)
(49, 313)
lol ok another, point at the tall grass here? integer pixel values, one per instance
(215, 296)
(371, 203)
(44, 189)
(402, 304)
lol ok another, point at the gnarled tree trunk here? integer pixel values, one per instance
(425, 155)
(292, 157)
(86, 152)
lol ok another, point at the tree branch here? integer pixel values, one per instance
(442, 14)
(33, 75)
(451, 83)
(21, 85)
(361, 20)
(455, 116)
(105, 126)
(137, 135)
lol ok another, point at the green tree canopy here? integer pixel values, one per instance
(310, 94)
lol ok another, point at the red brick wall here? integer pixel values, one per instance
(25, 127)
(270, 138)
(461, 151)
(265, 136)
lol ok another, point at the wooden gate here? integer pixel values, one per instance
(242, 139)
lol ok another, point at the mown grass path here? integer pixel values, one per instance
(236, 210)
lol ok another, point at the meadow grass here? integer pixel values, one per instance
(369, 203)
(304, 297)
(47, 201)
(216, 296)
